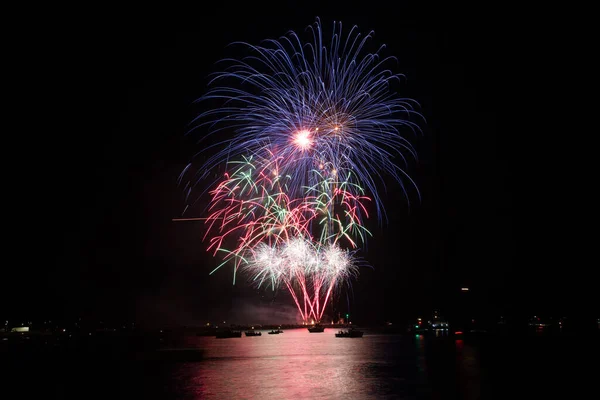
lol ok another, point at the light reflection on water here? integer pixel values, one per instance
(301, 365)
(298, 364)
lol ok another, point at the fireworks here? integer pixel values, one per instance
(308, 271)
(251, 206)
(316, 127)
(322, 109)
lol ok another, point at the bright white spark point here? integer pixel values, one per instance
(303, 140)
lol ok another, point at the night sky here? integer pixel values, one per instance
(102, 106)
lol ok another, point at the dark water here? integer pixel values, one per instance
(301, 365)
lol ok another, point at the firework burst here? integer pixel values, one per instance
(309, 272)
(316, 127)
(251, 206)
(322, 109)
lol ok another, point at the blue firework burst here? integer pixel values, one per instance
(324, 108)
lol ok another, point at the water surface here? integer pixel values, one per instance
(302, 365)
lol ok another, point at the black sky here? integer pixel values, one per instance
(103, 101)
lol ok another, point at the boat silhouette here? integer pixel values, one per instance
(352, 333)
(229, 334)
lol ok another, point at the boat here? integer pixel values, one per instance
(253, 333)
(275, 332)
(435, 325)
(353, 333)
(316, 329)
(229, 334)
(419, 327)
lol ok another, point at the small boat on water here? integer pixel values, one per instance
(229, 334)
(353, 333)
(253, 333)
(316, 329)
(275, 332)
